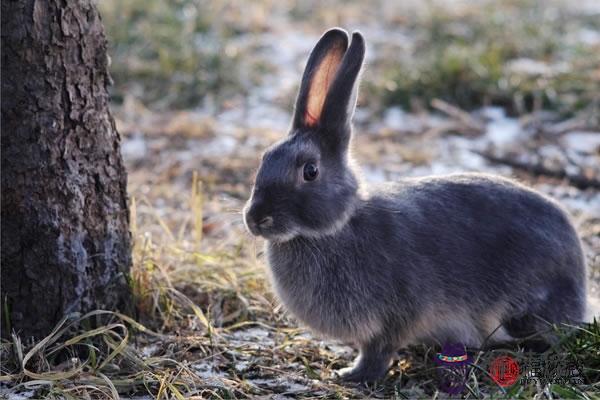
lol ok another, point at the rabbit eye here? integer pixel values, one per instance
(310, 172)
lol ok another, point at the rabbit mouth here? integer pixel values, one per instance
(280, 237)
(265, 227)
(272, 234)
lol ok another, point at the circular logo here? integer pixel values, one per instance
(504, 370)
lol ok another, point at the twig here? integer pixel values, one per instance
(536, 169)
(463, 117)
(573, 124)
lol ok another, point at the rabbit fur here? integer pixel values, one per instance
(466, 258)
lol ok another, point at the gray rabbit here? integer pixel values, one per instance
(437, 259)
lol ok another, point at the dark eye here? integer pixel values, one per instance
(310, 172)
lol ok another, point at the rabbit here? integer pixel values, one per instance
(436, 259)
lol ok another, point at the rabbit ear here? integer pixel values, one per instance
(319, 74)
(341, 99)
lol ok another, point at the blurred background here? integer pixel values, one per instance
(202, 87)
(509, 87)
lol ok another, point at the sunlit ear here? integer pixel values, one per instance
(321, 82)
(321, 68)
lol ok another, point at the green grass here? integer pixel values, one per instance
(468, 57)
(175, 53)
(170, 54)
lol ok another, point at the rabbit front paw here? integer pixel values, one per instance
(371, 365)
(360, 374)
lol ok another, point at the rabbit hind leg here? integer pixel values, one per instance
(562, 304)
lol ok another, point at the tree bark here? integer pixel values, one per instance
(65, 221)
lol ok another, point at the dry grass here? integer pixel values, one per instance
(207, 327)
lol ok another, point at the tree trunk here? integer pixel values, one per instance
(65, 221)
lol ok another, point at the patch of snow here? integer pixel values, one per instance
(206, 371)
(241, 366)
(501, 130)
(590, 37)
(221, 145)
(373, 174)
(339, 350)
(590, 7)
(254, 337)
(395, 118)
(461, 149)
(587, 206)
(268, 117)
(550, 152)
(7, 393)
(150, 350)
(438, 168)
(575, 200)
(290, 386)
(582, 142)
(529, 66)
(492, 113)
(252, 333)
(134, 148)
(362, 116)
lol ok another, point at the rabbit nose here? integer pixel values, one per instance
(263, 223)
(266, 222)
(255, 222)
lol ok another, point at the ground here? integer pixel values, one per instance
(448, 87)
